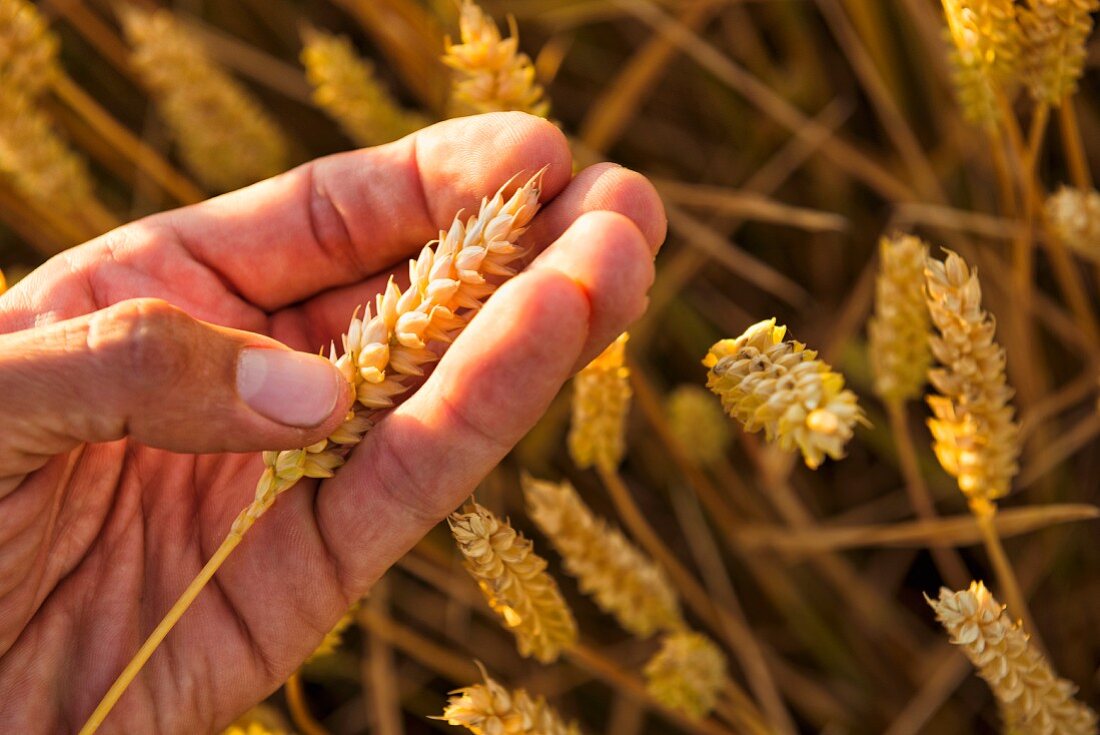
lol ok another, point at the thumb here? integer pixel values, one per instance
(147, 370)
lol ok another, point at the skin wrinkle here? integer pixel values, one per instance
(334, 240)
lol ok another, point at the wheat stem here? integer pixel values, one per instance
(986, 514)
(1073, 145)
(299, 707)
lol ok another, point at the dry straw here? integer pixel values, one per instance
(345, 86)
(986, 55)
(1053, 34)
(491, 709)
(448, 282)
(687, 673)
(622, 580)
(491, 74)
(1032, 699)
(601, 399)
(976, 439)
(1074, 215)
(224, 136)
(697, 422)
(515, 583)
(898, 331)
(775, 384)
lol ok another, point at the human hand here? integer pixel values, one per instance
(131, 429)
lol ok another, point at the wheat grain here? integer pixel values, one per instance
(491, 709)
(28, 49)
(1053, 34)
(769, 383)
(601, 399)
(898, 331)
(697, 422)
(976, 438)
(986, 55)
(687, 673)
(1032, 699)
(224, 136)
(345, 86)
(491, 74)
(622, 580)
(515, 583)
(1074, 215)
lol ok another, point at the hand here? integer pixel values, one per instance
(125, 358)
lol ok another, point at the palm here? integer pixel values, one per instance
(101, 540)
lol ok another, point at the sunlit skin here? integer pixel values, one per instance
(106, 508)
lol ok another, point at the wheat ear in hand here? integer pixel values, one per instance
(383, 350)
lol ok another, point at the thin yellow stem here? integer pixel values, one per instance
(1074, 146)
(986, 513)
(299, 708)
(165, 626)
(948, 561)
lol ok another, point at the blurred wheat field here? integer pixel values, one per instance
(883, 261)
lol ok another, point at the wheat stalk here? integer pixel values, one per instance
(1032, 699)
(622, 580)
(771, 383)
(1053, 35)
(491, 709)
(697, 422)
(448, 283)
(898, 331)
(986, 54)
(224, 136)
(601, 400)
(491, 74)
(1074, 216)
(687, 673)
(346, 87)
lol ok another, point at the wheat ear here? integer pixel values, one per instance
(601, 399)
(622, 580)
(687, 673)
(224, 136)
(697, 422)
(1032, 700)
(515, 583)
(491, 73)
(1074, 216)
(985, 57)
(768, 382)
(346, 87)
(449, 281)
(491, 709)
(1053, 35)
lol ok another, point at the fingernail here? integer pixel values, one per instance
(292, 388)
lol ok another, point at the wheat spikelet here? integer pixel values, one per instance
(491, 709)
(898, 331)
(345, 86)
(687, 673)
(28, 49)
(1032, 699)
(976, 439)
(622, 580)
(1074, 214)
(696, 420)
(601, 399)
(1053, 34)
(381, 351)
(986, 55)
(491, 74)
(224, 136)
(515, 583)
(769, 383)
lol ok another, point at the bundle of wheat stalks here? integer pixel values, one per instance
(652, 558)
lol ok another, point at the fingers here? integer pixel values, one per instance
(145, 369)
(338, 219)
(488, 390)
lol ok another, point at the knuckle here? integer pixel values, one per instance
(141, 337)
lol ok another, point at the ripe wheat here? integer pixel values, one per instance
(224, 136)
(491, 74)
(976, 439)
(601, 399)
(697, 422)
(687, 673)
(1033, 701)
(898, 331)
(345, 86)
(490, 709)
(1074, 215)
(28, 49)
(1053, 34)
(515, 583)
(260, 720)
(622, 580)
(986, 55)
(769, 383)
